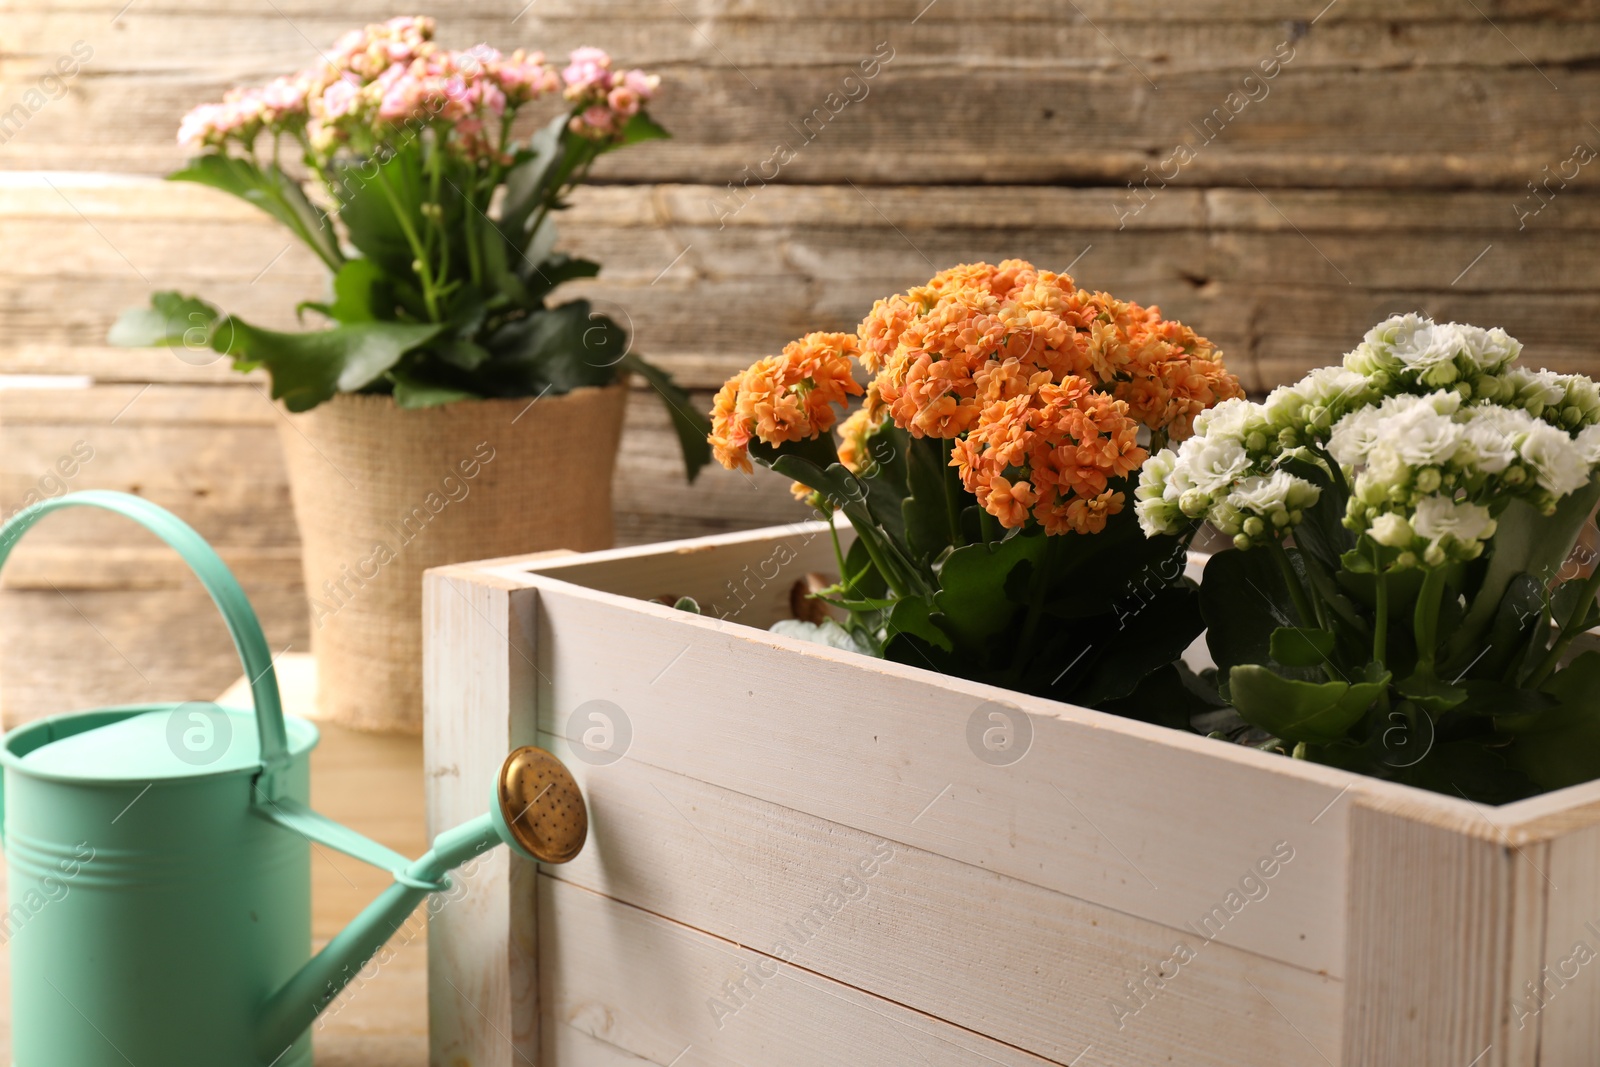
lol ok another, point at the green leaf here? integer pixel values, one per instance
(527, 181)
(308, 368)
(1244, 600)
(641, 127)
(1295, 710)
(1511, 705)
(1141, 643)
(377, 200)
(1431, 693)
(689, 604)
(925, 511)
(555, 269)
(913, 616)
(172, 320)
(1525, 542)
(413, 391)
(1299, 646)
(691, 426)
(1469, 769)
(359, 291)
(1163, 697)
(462, 353)
(972, 584)
(272, 191)
(1508, 636)
(566, 348)
(1561, 746)
(1321, 531)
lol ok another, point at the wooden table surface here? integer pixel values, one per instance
(373, 784)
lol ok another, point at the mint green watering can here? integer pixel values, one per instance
(159, 862)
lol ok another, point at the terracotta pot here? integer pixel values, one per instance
(382, 494)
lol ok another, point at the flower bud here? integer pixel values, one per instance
(1254, 527)
(1241, 541)
(1427, 479)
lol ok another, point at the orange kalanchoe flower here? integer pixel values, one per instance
(1165, 371)
(1040, 386)
(790, 397)
(1051, 454)
(972, 348)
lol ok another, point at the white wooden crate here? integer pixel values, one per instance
(799, 859)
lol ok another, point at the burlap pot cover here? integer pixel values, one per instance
(382, 494)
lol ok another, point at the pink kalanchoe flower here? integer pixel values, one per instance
(587, 70)
(341, 98)
(594, 121)
(525, 76)
(284, 98)
(400, 98)
(201, 128)
(644, 85)
(623, 100)
(490, 97)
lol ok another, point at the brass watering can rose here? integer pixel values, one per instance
(541, 804)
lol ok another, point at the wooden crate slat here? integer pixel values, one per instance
(1555, 995)
(1028, 967)
(786, 743)
(482, 949)
(637, 981)
(1443, 925)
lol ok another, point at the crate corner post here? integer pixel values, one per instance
(478, 699)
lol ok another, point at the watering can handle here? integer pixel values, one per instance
(213, 574)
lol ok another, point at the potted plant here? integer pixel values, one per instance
(425, 409)
(989, 478)
(1403, 594)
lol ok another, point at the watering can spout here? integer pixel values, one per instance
(537, 810)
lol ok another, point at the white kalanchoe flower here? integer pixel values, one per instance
(1491, 350)
(1274, 498)
(1354, 436)
(1437, 518)
(1556, 461)
(1157, 496)
(1421, 436)
(1392, 529)
(1492, 435)
(1429, 353)
(1214, 462)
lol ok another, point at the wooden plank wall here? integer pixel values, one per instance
(1281, 173)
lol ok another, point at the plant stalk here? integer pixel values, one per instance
(1297, 592)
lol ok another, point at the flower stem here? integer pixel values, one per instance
(952, 503)
(417, 250)
(1030, 623)
(1380, 621)
(1425, 620)
(1297, 592)
(838, 555)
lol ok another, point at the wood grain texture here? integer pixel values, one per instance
(1444, 925)
(477, 675)
(947, 939)
(1561, 997)
(1066, 95)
